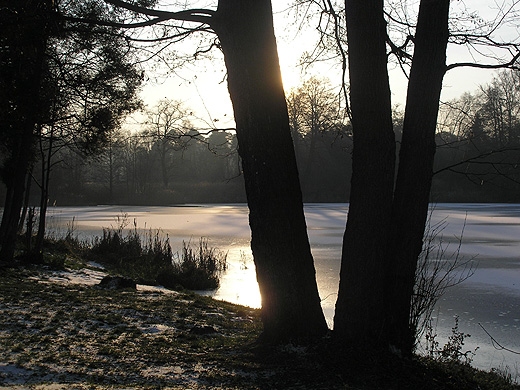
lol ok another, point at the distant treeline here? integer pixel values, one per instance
(169, 162)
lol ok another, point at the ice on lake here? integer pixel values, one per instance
(488, 233)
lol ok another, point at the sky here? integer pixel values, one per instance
(203, 89)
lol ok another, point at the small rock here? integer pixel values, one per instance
(117, 282)
(202, 330)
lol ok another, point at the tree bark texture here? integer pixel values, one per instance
(414, 178)
(359, 316)
(291, 306)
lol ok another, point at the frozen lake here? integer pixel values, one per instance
(490, 234)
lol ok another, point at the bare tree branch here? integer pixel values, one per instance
(476, 159)
(193, 15)
(337, 37)
(203, 16)
(512, 64)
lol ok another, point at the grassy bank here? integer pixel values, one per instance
(59, 330)
(56, 332)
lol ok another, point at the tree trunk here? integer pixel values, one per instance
(13, 206)
(284, 265)
(46, 166)
(110, 173)
(164, 166)
(26, 198)
(359, 316)
(24, 38)
(411, 196)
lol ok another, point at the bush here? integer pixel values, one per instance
(148, 258)
(437, 270)
(452, 351)
(197, 269)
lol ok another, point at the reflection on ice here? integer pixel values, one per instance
(238, 284)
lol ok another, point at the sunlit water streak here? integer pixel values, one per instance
(489, 231)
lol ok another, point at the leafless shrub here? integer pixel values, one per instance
(437, 270)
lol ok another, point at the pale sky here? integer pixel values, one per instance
(203, 88)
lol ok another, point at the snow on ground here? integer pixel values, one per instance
(57, 332)
(91, 276)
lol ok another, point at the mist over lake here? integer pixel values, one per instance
(489, 237)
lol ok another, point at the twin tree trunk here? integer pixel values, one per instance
(291, 306)
(385, 227)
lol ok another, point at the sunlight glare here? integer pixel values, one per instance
(239, 281)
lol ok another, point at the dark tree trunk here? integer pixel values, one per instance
(359, 317)
(46, 167)
(13, 204)
(24, 34)
(284, 265)
(310, 161)
(164, 165)
(411, 197)
(26, 198)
